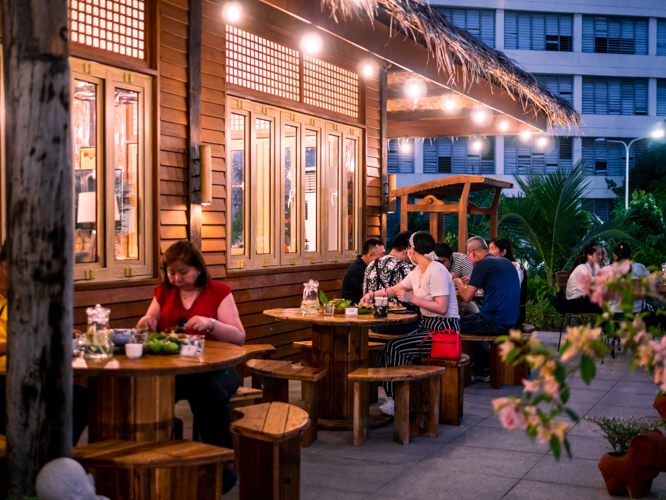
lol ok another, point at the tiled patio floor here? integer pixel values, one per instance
(479, 460)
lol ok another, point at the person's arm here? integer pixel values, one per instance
(439, 304)
(227, 327)
(152, 317)
(466, 292)
(385, 292)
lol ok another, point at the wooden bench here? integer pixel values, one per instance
(424, 412)
(164, 470)
(270, 450)
(273, 376)
(451, 388)
(500, 373)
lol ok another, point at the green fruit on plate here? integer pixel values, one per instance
(158, 347)
(148, 346)
(171, 348)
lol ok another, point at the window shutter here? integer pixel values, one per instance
(565, 146)
(638, 149)
(552, 32)
(392, 157)
(588, 206)
(641, 36)
(601, 96)
(459, 156)
(615, 94)
(615, 35)
(566, 88)
(601, 34)
(488, 157)
(510, 154)
(538, 32)
(458, 18)
(430, 155)
(524, 157)
(615, 158)
(588, 34)
(511, 31)
(443, 10)
(661, 97)
(566, 32)
(640, 93)
(488, 27)
(406, 160)
(661, 37)
(524, 31)
(444, 147)
(588, 154)
(473, 24)
(588, 94)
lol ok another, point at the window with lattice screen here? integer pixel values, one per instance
(118, 26)
(330, 87)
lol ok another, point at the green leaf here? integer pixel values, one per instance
(556, 446)
(572, 414)
(568, 448)
(587, 369)
(565, 395)
(531, 432)
(560, 373)
(322, 297)
(512, 354)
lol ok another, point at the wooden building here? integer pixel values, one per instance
(296, 99)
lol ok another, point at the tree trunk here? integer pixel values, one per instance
(40, 235)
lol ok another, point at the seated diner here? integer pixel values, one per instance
(459, 266)
(578, 300)
(352, 284)
(501, 247)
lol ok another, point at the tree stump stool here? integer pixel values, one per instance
(164, 470)
(270, 450)
(500, 373)
(451, 388)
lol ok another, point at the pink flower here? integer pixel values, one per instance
(505, 348)
(623, 267)
(585, 281)
(531, 385)
(512, 419)
(552, 388)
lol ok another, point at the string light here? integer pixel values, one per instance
(477, 144)
(658, 134)
(525, 136)
(504, 125)
(404, 145)
(368, 70)
(232, 11)
(479, 115)
(311, 43)
(450, 104)
(415, 88)
(542, 141)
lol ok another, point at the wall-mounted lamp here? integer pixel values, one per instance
(206, 169)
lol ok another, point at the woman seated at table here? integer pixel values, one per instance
(622, 251)
(581, 271)
(189, 298)
(501, 247)
(430, 287)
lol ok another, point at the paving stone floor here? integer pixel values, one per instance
(478, 459)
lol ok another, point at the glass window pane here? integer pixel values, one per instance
(84, 125)
(127, 121)
(311, 217)
(290, 188)
(350, 180)
(263, 155)
(332, 179)
(238, 173)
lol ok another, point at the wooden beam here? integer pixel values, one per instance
(462, 219)
(40, 237)
(194, 117)
(383, 86)
(455, 126)
(400, 94)
(434, 114)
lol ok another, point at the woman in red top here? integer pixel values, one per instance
(189, 298)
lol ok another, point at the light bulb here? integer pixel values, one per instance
(449, 104)
(232, 12)
(658, 134)
(477, 145)
(311, 43)
(504, 125)
(542, 141)
(405, 147)
(368, 70)
(479, 115)
(415, 89)
(525, 136)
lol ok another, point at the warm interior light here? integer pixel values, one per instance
(477, 145)
(405, 147)
(450, 104)
(658, 134)
(525, 136)
(367, 69)
(504, 125)
(311, 43)
(232, 12)
(415, 89)
(542, 141)
(479, 115)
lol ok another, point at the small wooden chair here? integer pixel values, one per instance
(273, 376)
(164, 470)
(424, 413)
(451, 388)
(270, 450)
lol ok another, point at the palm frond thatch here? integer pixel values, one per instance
(454, 50)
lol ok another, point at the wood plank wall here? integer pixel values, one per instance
(252, 293)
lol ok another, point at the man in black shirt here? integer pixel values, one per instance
(352, 284)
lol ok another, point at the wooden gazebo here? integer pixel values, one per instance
(432, 196)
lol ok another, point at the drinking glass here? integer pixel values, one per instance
(329, 309)
(199, 341)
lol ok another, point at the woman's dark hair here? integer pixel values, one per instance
(581, 258)
(622, 250)
(504, 244)
(187, 253)
(424, 243)
(443, 250)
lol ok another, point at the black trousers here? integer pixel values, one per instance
(583, 305)
(208, 394)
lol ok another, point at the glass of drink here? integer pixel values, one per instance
(198, 341)
(329, 309)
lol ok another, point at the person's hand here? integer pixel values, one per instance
(147, 322)
(453, 275)
(458, 283)
(367, 298)
(464, 280)
(404, 296)
(199, 323)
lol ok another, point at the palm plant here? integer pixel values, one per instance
(548, 219)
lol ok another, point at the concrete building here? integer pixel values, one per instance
(608, 57)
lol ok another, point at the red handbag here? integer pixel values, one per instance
(445, 344)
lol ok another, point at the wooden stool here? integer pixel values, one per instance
(245, 396)
(164, 470)
(382, 337)
(270, 451)
(425, 417)
(451, 388)
(500, 373)
(254, 351)
(527, 328)
(373, 349)
(273, 376)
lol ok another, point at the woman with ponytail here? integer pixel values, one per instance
(582, 271)
(430, 287)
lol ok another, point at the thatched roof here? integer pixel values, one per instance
(455, 50)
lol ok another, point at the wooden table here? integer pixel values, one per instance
(133, 400)
(340, 345)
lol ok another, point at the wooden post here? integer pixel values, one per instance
(462, 219)
(404, 215)
(40, 237)
(440, 227)
(493, 213)
(383, 103)
(194, 117)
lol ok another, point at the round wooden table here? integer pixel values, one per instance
(134, 400)
(340, 345)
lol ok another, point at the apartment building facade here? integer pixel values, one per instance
(606, 57)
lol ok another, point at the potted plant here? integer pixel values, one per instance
(660, 404)
(639, 454)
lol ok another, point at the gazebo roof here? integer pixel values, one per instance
(451, 186)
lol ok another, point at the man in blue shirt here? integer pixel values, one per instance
(501, 298)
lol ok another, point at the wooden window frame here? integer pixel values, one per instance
(107, 269)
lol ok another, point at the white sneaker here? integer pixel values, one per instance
(388, 408)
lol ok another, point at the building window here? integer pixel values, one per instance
(661, 97)
(536, 155)
(615, 35)
(538, 31)
(661, 37)
(462, 155)
(560, 85)
(112, 200)
(479, 23)
(117, 26)
(614, 96)
(599, 207)
(303, 207)
(609, 158)
(400, 159)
